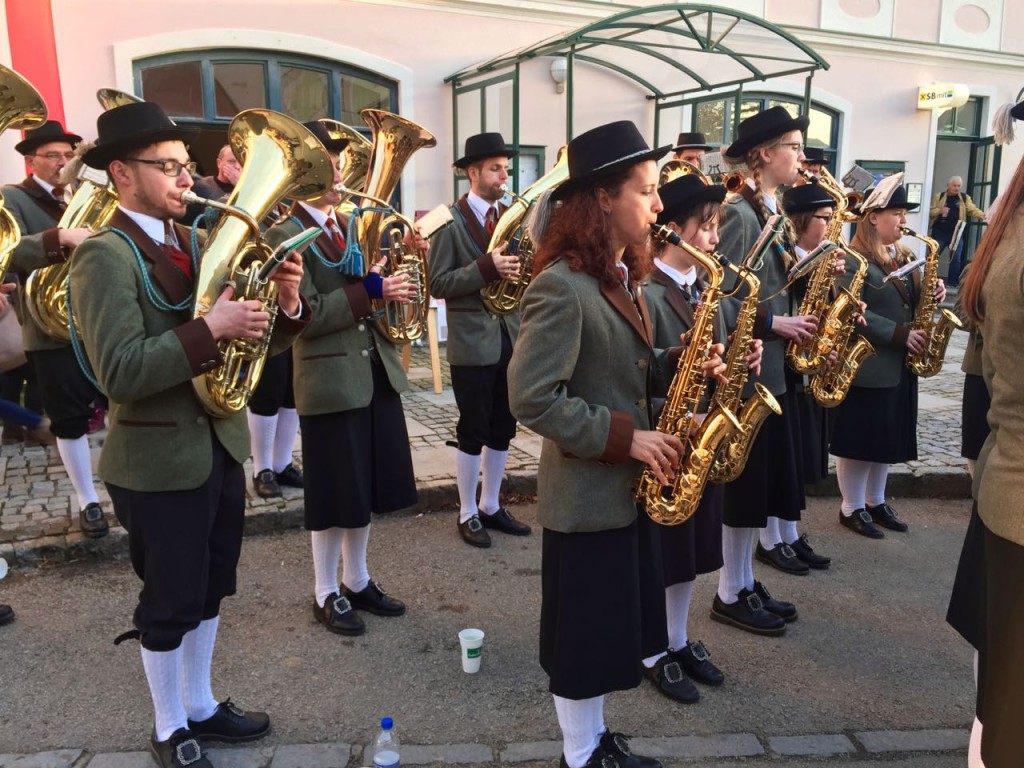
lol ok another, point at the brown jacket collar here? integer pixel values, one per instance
(478, 233)
(634, 312)
(172, 282)
(42, 198)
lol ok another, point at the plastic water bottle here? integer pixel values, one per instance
(385, 746)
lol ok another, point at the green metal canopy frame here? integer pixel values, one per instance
(670, 51)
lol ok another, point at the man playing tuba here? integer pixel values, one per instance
(174, 474)
(479, 343)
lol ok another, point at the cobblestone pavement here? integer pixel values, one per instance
(38, 510)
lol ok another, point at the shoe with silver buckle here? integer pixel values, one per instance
(265, 484)
(785, 611)
(747, 613)
(180, 750)
(782, 558)
(338, 616)
(861, 522)
(886, 517)
(802, 548)
(696, 663)
(92, 522)
(668, 677)
(473, 533)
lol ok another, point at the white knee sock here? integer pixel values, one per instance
(353, 558)
(494, 472)
(284, 438)
(770, 535)
(582, 723)
(197, 659)
(326, 553)
(163, 674)
(852, 475)
(875, 493)
(261, 440)
(78, 464)
(788, 531)
(677, 610)
(467, 477)
(737, 547)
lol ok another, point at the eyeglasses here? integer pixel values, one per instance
(796, 146)
(54, 156)
(170, 168)
(822, 216)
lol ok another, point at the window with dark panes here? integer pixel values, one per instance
(178, 88)
(305, 93)
(238, 86)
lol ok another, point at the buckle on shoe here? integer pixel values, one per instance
(621, 742)
(342, 605)
(699, 652)
(188, 752)
(754, 602)
(474, 524)
(787, 551)
(865, 516)
(672, 672)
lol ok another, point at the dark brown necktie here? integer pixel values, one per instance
(58, 195)
(491, 219)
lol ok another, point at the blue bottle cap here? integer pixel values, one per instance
(387, 723)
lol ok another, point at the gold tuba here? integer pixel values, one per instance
(929, 361)
(94, 202)
(280, 158)
(503, 296)
(675, 504)
(381, 229)
(21, 106)
(356, 157)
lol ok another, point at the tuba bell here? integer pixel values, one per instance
(356, 157)
(279, 158)
(94, 202)
(21, 106)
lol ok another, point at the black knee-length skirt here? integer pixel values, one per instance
(974, 416)
(877, 425)
(966, 612)
(357, 462)
(602, 608)
(695, 546)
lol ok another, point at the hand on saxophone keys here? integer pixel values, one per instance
(229, 319)
(917, 341)
(753, 358)
(940, 291)
(714, 366)
(839, 265)
(798, 329)
(659, 451)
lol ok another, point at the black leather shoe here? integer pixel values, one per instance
(696, 663)
(747, 613)
(473, 533)
(885, 516)
(6, 614)
(265, 484)
(503, 521)
(181, 750)
(860, 522)
(802, 548)
(783, 558)
(92, 522)
(616, 747)
(290, 476)
(375, 600)
(338, 616)
(668, 677)
(785, 611)
(231, 724)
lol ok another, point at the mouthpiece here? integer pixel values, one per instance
(809, 177)
(663, 234)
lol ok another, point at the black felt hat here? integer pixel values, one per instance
(691, 141)
(132, 126)
(482, 146)
(763, 127)
(806, 197)
(890, 193)
(1017, 111)
(601, 151)
(319, 130)
(47, 133)
(818, 155)
(684, 193)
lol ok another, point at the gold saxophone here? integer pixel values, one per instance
(503, 295)
(280, 158)
(732, 457)
(94, 202)
(928, 362)
(676, 503)
(21, 106)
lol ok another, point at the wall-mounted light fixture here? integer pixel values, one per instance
(559, 72)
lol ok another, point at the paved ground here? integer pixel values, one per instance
(38, 510)
(870, 675)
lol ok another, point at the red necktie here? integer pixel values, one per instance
(335, 230)
(58, 195)
(178, 257)
(491, 219)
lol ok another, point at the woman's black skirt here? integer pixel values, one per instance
(813, 442)
(974, 416)
(357, 462)
(878, 425)
(602, 608)
(771, 484)
(966, 612)
(695, 546)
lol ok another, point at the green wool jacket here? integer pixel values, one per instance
(459, 267)
(37, 214)
(332, 357)
(144, 358)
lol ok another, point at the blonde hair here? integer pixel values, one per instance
(752, 163)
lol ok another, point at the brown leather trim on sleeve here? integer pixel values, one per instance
(900, 334)
(293, 326)
(486, 266)
(359, 300)
(760, 322)
(620, 438)
(199, 345)
(55, 254)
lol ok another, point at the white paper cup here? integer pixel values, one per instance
(472, 641)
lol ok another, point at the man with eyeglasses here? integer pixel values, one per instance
(174, 474)
(37, 204)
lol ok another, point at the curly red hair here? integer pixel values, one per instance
(579, 232)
